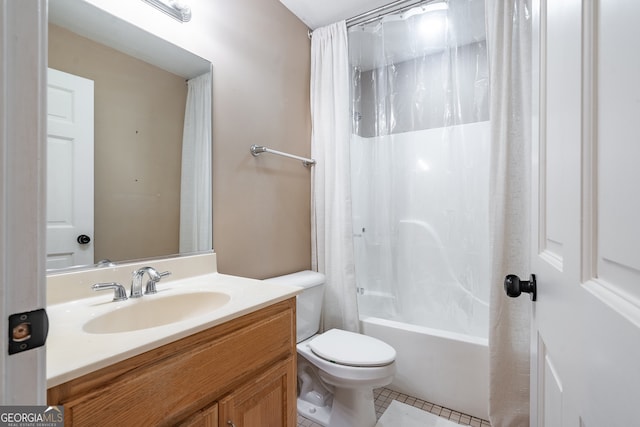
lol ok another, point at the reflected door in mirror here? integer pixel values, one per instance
(69, 169)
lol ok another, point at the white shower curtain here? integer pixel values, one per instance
(509, 35)
(332, 235)
(195, 191)
(420, 175)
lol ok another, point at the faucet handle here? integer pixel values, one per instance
(153, 279)
(119, 292)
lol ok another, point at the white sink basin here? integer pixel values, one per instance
(151, 311)
(101, 332)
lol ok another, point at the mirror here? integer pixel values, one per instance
(140, 93)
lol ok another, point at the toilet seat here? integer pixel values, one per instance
(351, 349)
(349, 375)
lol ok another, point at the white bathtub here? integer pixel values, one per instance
(445, 368)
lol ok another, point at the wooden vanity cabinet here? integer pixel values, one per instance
(241, 373)
(259, 403)
(207, 417)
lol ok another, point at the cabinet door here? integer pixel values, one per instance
(208, 417)
(269, 400)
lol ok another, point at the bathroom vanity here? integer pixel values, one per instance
(232, 366)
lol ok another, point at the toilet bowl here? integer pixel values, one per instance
(337, 370)
(353, 365)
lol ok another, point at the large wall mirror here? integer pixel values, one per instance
(142, 91)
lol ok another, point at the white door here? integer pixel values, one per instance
(69, 170)
(23, 59)
(586, 205)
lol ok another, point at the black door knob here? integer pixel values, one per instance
(83, 239)
(513, 286)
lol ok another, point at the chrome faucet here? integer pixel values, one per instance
(119, 293)
(154, 277)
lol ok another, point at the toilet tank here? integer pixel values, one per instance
(308, 302)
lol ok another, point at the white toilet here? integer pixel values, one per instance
(337, 370)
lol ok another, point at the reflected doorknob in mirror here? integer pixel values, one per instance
(83, 239)
(514, 287)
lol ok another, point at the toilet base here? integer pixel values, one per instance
(353, 407)
(350, 408)
(317, 414)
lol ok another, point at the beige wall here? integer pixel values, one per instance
(261, 61)
(139, 116)
(261, 206)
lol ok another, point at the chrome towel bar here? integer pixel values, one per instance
(258, 149)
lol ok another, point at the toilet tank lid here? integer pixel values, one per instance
(303, 279)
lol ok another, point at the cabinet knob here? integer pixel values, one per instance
(229, 422)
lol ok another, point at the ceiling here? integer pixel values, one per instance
(318, 13)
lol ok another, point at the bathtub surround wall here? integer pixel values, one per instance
(261, 55)
(420, 203)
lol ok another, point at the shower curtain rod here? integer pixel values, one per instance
(379, 12)
(388, 9)
(258, 149)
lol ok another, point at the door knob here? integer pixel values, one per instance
(513, 286)
(83, 239)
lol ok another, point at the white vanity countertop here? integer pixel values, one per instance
(73, 352)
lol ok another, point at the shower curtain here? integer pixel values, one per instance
(331, 239)
(195, 192)
(509, 24)
(419, 150)
(436, 186)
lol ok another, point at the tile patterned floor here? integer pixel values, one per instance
(384, 397)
